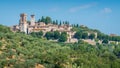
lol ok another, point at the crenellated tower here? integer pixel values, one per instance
(23, 22)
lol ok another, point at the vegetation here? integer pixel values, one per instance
(105, 41)
(63, 37)
(92, 36)
(37, 34)
(78, 35)
(55, 35)
(48, 20)
(18, 50)
(82, 33)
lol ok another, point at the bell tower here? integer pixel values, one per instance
(32, 20)
(23, 22)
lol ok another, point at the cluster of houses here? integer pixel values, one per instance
(34, 26)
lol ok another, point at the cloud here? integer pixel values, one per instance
(78, 8)
(106, 10)
(54, 9)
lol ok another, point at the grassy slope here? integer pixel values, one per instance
(18, 50)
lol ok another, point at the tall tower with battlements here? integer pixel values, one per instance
(23, 22)
(32, 22)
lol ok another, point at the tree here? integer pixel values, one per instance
(39, 20)
(66, 22)
(42, 19)
(49, 35)
(56, 34)
(102, 36)
(64, 33)
(37, 34)
(92, 36)
(63, 22)
(99, 36)
(48, 20)
(105, 41)
(77, 25)
(56, 22)
(115, 38)
(33, 34)
(53, 22)
(78, 35)
(63, 37)
(84, 35)
(60, 23)
(40, 34)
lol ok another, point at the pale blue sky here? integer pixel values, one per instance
(103, 15)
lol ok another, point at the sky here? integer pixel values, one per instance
(103, 15)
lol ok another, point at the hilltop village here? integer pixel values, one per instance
(32, 26)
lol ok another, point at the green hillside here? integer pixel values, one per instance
(18, 50)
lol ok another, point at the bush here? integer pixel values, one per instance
(92, 36)
(63, 37)
(105, 41)
(0, 43)
(78, 35)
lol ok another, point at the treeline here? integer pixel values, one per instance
(55, 35)
(102, 36)
(86, 33)
(48, 20)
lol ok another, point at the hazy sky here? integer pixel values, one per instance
(100, 14)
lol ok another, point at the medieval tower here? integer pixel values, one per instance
(32, 20)
(23, 23)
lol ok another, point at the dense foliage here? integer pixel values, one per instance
(82, 33)
(18, 50)
(63, 37)
(48, 20)
(37, 34)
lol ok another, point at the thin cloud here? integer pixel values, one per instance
(54, 9)
(106, 10)
(78, 8)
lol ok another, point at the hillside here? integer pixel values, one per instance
(18, 50)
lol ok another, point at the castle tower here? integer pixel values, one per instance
(32, 20)
(23, 23)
